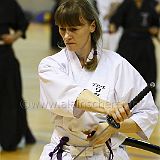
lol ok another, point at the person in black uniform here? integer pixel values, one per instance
(140, 22)
(13, 122)
(94, 3)
(55, 38)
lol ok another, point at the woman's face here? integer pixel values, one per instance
(78, 38)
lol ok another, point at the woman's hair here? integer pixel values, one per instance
(69, 13)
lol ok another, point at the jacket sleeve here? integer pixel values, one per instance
(58, 92)
(145, 113)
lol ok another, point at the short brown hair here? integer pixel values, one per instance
(69, 13)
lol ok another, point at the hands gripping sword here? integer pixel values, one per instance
(133, 102)
(114, 124)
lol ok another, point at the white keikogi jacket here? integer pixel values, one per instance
(62, 79)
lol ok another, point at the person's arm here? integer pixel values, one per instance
(104, 131)
(62, 95)
(58, 92)
(129, 126)
(118, 16)
(21, 22)
(18, 24)
(87, 101)
(112, 10)
(145, 113)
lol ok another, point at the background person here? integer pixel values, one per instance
(140, 23)
(55, 37)
(13, 122)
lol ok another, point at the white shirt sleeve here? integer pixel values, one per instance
(58, 92)
(145, 113)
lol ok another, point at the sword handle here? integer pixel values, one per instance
(141, 95)
(133, 102)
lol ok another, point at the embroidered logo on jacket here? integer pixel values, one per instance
(98, 88)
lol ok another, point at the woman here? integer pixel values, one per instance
(83, 83)
(140, 23)
(13, 121)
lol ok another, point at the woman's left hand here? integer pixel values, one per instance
(103, 132)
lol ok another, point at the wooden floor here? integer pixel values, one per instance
(30, 52)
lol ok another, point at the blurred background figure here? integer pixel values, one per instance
(103, 8)
(106, 10)
(140, 23)
(156, 3)
(94, 3)
(55, 38)
(13, 122)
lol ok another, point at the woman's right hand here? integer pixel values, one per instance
(119, 111)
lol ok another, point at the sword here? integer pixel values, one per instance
(113, 123)
(132, 142)
(142, 145)
(89, 145)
